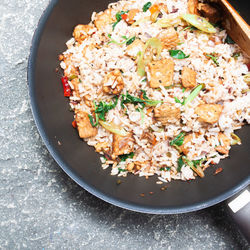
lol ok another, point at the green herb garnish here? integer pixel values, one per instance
(130, 40)
(180, 164)
(229, 40)
(146, 6)
(118, 17)
(101, 109)
(214, 58)
(136, 100)
(178, 140)
(236, 55)
(179, 101)
(122, 170)
(165, 169)
(126, 156)
(178, 54)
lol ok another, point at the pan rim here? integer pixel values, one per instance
(129, 206)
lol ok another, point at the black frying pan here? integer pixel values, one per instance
(53, 118)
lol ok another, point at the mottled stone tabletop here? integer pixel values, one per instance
(41, 207)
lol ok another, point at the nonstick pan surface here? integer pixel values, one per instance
(53, 119)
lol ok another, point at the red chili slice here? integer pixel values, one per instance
(66, 87)
(124, 16)
(74, 124)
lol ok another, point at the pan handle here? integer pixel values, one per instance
(239, 209)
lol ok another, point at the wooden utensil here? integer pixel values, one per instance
(235, 25)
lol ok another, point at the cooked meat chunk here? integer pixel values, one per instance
(113, 83)
(102, 147)
(188, 77)
(80, 32)
(84, 126)
(103, 19)
(131, 15)
(209, 113)
(193, 7)
(133, 49)
(184, 147)
(224, 146)
(169, 38)
(167, 113)
(161, 73)
(210, 12)
(122, 145)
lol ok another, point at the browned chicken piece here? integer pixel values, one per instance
(188, 77)
(103, 19)
(80, 32)
(206, 10)
(113, 83)
(133, 49)
(163, 7)
(70, 69)
(193, 7)
(131, 15)
(84, 126)
(225, 142)
(184, 148)
(167, 113)
(209, 113)
(102, 147)
(161, 73)
(169, 38)
(122, 145)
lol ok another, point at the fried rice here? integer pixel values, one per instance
(153, 92)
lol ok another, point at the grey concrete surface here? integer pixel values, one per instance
(40, 207)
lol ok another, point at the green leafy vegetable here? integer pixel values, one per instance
(183, 90)
(122, 170)
(118, 17)
(130, 40)
(178, 54)
(165, 169)
(91, 119)
(136, 100)
(126, 156)
(178, 140)
(194, 93)
(199, 22)
(197, 163)
(236, 55)
(180, 164)
(229, 40)
(101, 109)
(197, 169)
(146, 6)
(179, 101)
(214, 58)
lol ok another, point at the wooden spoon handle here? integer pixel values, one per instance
(236, 27)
